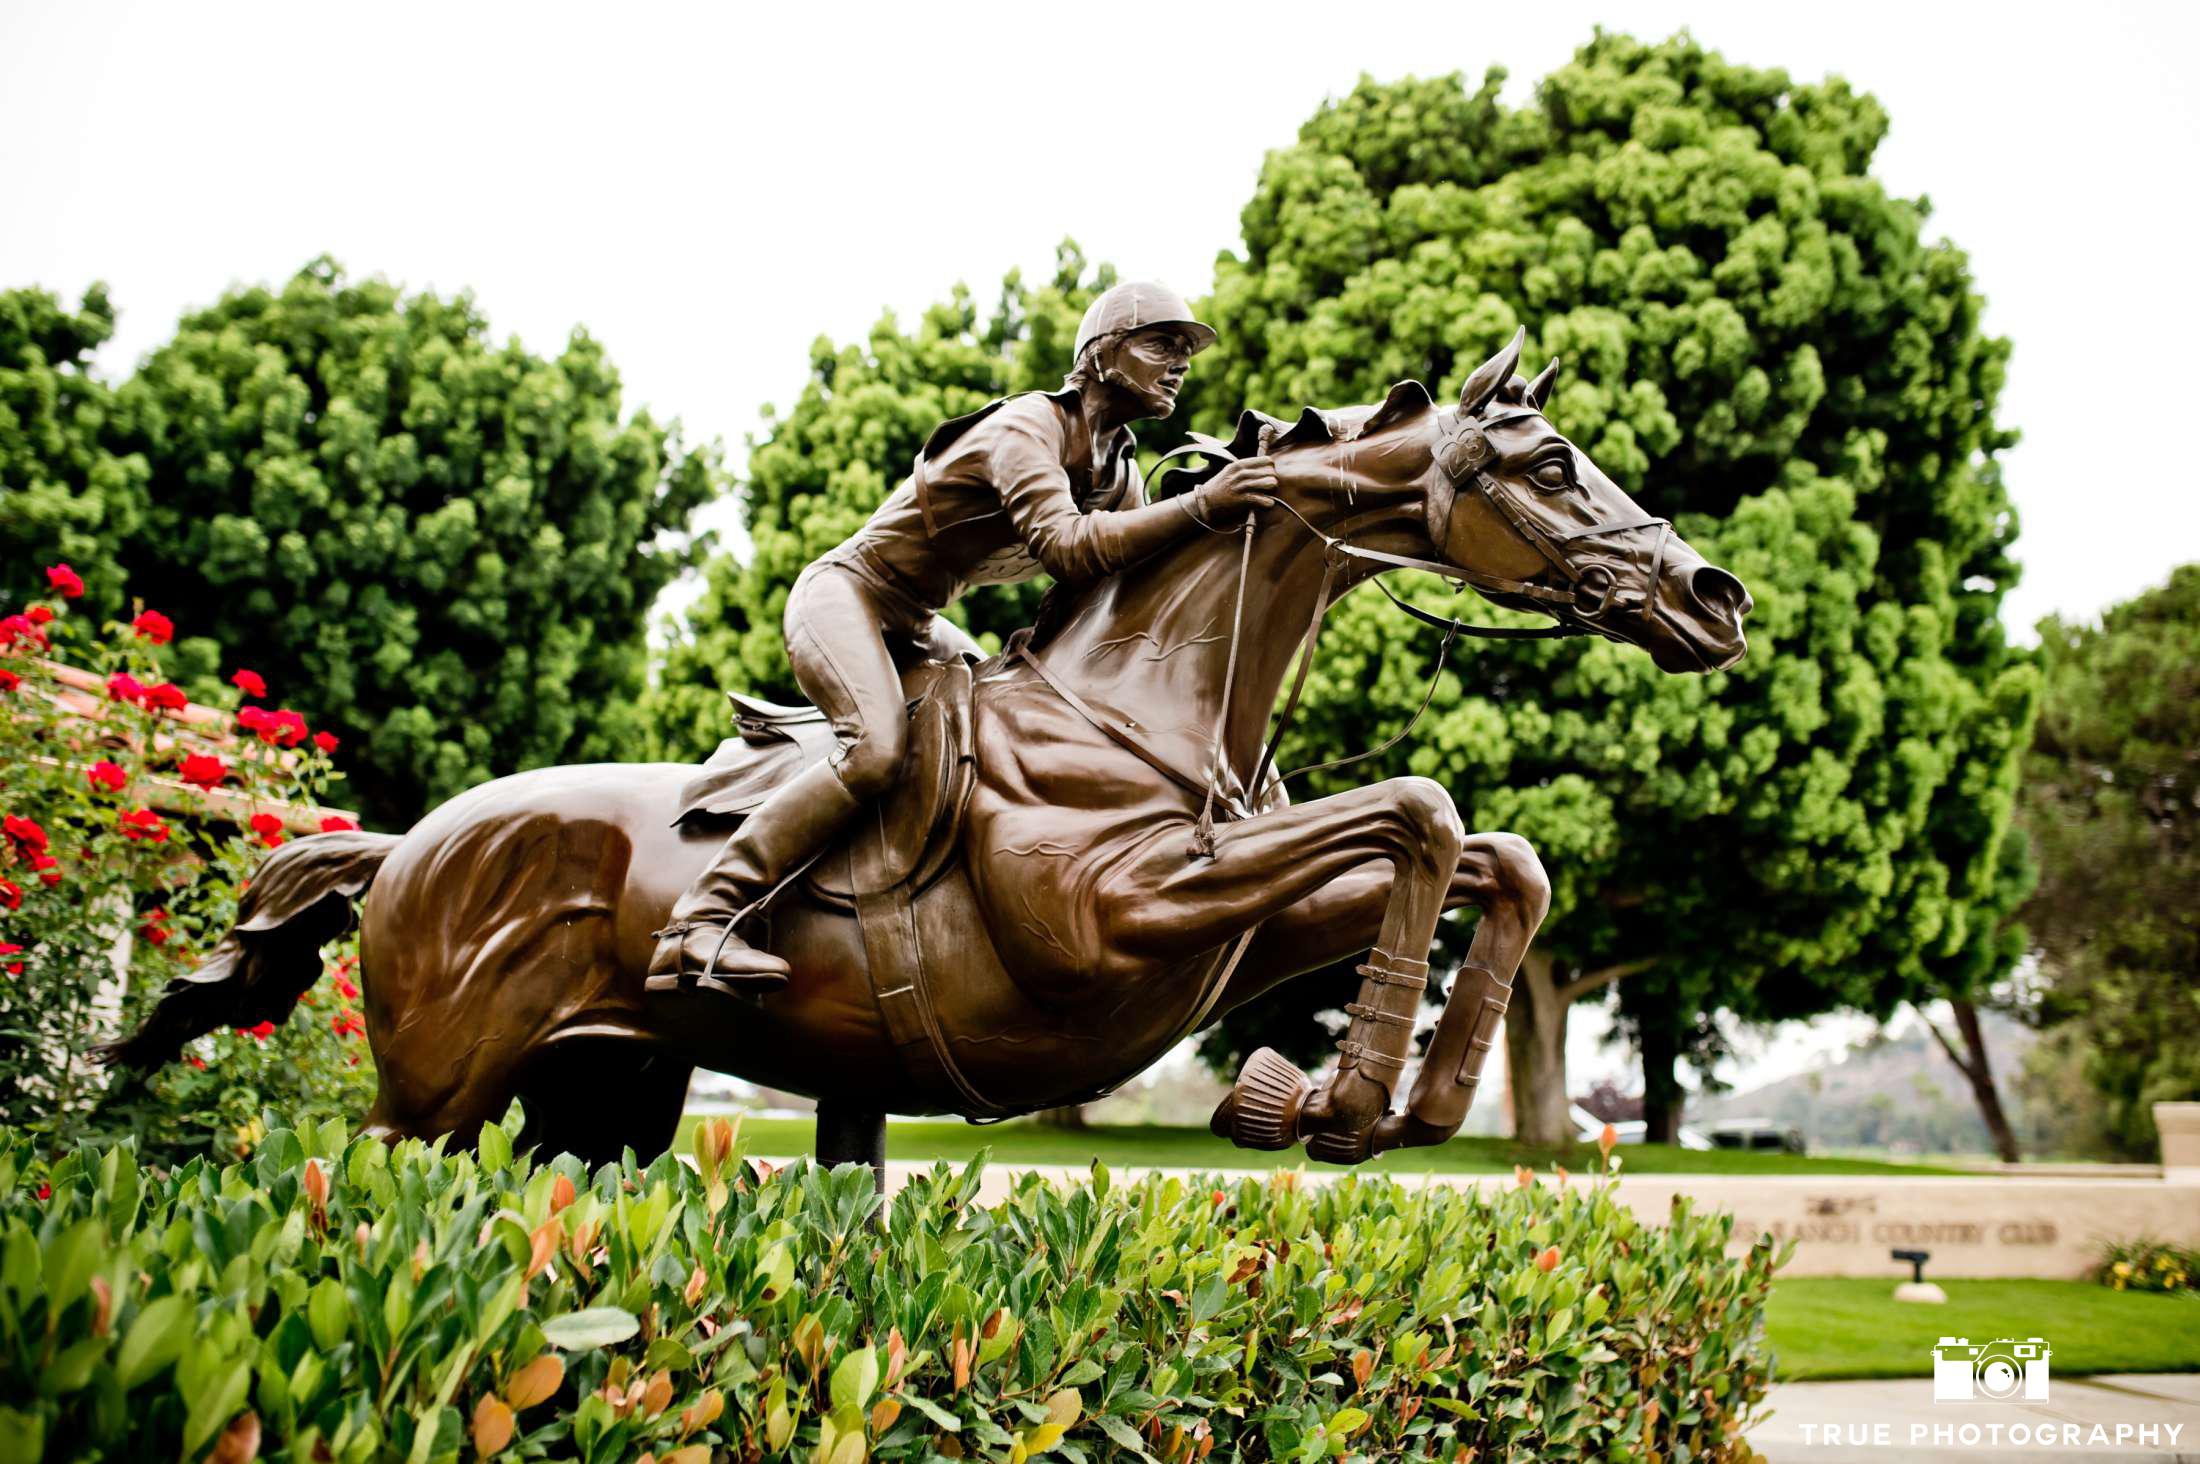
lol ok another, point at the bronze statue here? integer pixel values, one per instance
(1084, 856)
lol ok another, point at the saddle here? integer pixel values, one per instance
(907, 838)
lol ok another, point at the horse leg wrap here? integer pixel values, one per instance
(1453, 1069)
(1371, 1056)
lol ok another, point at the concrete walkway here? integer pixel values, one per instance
(2117, 1418)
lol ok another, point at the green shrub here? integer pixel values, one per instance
(350, 1301)
(2149, 1265)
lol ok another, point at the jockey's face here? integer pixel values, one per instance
(1150, 365)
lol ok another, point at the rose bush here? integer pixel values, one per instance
(133, 818)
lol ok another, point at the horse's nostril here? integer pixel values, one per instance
(1719, 592)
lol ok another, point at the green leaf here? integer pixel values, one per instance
(597, 1326)
(328, 1313)
(154, 1341)
(940, 1417)
(494, 1147)
(22, 1436)
(71, 1258)
(72, 1369)
(214, 1402)
(1123, 1434)
(855, 1378)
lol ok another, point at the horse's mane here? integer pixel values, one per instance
(1257, 433)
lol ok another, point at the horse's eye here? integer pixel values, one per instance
(1551, 475)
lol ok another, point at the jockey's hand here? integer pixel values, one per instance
(1242, 486)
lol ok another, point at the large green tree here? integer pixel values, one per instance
(2112, 806)
(1761, 343)
(65, 496)
(817, 473)
(442, 548)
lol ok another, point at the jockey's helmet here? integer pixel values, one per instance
(1139, 305)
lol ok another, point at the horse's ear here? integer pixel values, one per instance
(1539, 390)
(1492, 374)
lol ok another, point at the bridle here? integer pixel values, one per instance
(1463, 455)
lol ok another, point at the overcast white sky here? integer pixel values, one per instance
(708, 188)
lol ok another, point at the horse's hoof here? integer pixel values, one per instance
(1350, 1147)
(1262, 1111)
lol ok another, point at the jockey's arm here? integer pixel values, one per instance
(1074, 546)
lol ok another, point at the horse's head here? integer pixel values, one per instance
(1537, 526)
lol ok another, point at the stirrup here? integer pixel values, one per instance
(727, 983)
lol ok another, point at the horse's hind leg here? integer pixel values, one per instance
(405, 1108)
(592, 1097)
(1161, 901)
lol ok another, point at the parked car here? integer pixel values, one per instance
(1757, 1133)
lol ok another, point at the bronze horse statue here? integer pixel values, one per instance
(1089, 859)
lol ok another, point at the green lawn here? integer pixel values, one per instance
(1123, 1145)
(1827, 1327)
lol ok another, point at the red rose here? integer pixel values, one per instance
(11, 893)
(196, 1061)
(19, 627)
(290, 727)
(153, 626)
(124, 687)
(348, 1023)
(26, 832)
(104, 774)
(38, 614)
(346, 989)
(326, 741)
(166, 697)
(203, 770)
(48, 867)
(9, 681)
(336, 824)
(269, 828)
(64, 581)
(45, 1191)
(143, 823)
(259, 1033)
(9, 948)
(258, 720)
(249, 683)
(153, 928)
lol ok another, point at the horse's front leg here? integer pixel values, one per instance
(1163, 902)
(1498, 874)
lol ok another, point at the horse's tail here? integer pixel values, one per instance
(299, 899)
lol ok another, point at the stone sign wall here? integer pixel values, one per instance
(1986, 1225)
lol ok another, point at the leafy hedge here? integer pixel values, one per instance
(344, 1301)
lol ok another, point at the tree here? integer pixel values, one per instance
(2112, 807)
(442, 547)
(64, 496)
(819, 472)
(1762, 345)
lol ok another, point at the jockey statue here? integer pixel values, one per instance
(1043, 480)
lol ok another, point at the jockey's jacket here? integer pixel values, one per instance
(991, 500)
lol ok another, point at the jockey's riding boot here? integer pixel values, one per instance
(699, 943)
